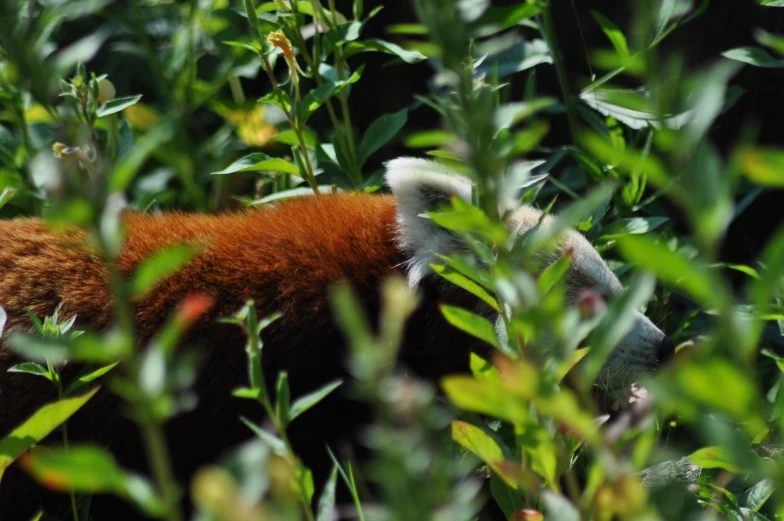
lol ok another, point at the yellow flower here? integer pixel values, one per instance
(278, 39)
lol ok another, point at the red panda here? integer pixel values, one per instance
(285, 257)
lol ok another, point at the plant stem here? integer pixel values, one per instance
(560, 69)
(159, 461)
(309, 176)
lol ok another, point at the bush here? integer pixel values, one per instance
(699, 441)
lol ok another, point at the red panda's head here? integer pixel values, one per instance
(422, 186)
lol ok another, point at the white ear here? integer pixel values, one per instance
(421, 186)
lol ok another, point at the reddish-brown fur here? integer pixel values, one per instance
(285, 257)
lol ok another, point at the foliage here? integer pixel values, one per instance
(75, 150)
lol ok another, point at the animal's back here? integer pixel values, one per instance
(285, 257)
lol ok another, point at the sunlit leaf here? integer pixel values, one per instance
(38, 426)
(259, 162)
(116, 105)
(471, 323)
(159, 266)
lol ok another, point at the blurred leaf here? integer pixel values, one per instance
(754, 56)
(764, 166)
(303, 403)
(318, 96)
(408, 56)
(674, 269)
(509, 114)
(467, 284)
(159, 266)
(755, 497)
(295, 192)
(380, 132)
(282, 399)
(127, 168)
(259, 162)
(429, 138)
(471, 323)
(485, 397)
(614, 34)
(631, 226)
(278, 97)
(558, 508)
(289, 137)
(88, 377)
(38, 426)
(618, 321)
(81, 468)
(497, 18)
(714, 458)
(31, 368)
(6, 195)
(631, 108)
(326, 504)
(116, 105)
(482, 446)
(520, 57)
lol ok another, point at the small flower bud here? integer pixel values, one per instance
(590, 304)
(106, 91)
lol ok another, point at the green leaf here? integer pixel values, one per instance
(278, 97)
(339, 35)
(471, 323)
(764, 166)
(631, 226)
(277, 445)
(326, 504)
(31, 368)
(496, 19)
(408, 56)
(159, 266)
(673, 269)
(282, 402)
(557, 508)
(259, 161)
(38, 426)
(289, 137)
(509, 114)
(303, 403)
(127, 168)
(430, 138)
(756, 56)
(6, 195)
(465, 283)
(717, 457)
(116, 105)
(554, 273)
(84, 379)
(81, 468)
(758, 495)
(481, 445)
(246, 392)
(485, 397)
(616, 323)
(615, 35)
(317, 97)
(380, 132)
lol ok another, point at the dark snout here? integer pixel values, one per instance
(665, 350)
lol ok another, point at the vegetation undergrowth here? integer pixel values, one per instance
(702, 441)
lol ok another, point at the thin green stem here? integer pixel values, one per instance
(295, 126)
(159, 461)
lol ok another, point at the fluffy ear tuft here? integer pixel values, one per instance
(423, 186)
